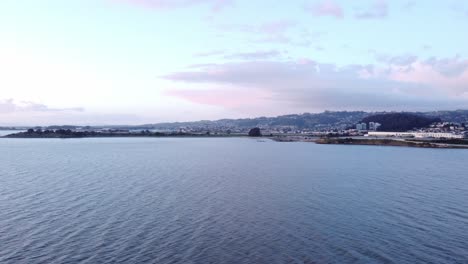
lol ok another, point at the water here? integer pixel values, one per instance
(143, 200)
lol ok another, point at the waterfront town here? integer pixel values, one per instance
(437, 125)
(440, 130)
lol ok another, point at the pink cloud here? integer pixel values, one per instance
(305, 84)
(326, 8)
(450, 75)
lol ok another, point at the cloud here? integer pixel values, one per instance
(276, 31)
(326, 8)
(401, 60)
(459, 8)
(272, 31)
(216, 5)
(276, 27)
(449, 75)
(448, 66)
(256, 55)
(307, 85)
(231, 98)
(8, 106)
(209, 53)
(409, 6)
(25, 113)
(426, 47)
(319, 48)
(378, 10)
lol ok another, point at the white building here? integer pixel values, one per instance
(362, 126)
(374, 126)
(415, 134)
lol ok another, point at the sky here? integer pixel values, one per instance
(90, 62)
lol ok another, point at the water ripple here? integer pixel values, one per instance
(229, 201)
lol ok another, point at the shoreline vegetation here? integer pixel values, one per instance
(396, 142)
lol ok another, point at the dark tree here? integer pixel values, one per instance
(255, 132)
(400, 121)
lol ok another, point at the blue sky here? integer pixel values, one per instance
(146, 61)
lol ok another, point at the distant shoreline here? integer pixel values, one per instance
(440, 144)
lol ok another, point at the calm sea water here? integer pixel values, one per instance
(233, 200)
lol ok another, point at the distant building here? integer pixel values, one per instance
(374, 126)
(416, 135)
(361, 126)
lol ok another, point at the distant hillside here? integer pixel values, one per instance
(321, 121)
(457, 116)
(401, 121)
(325, 121)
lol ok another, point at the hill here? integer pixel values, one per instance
(326, 121)
(320, 121)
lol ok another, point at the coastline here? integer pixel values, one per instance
(439, 144)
